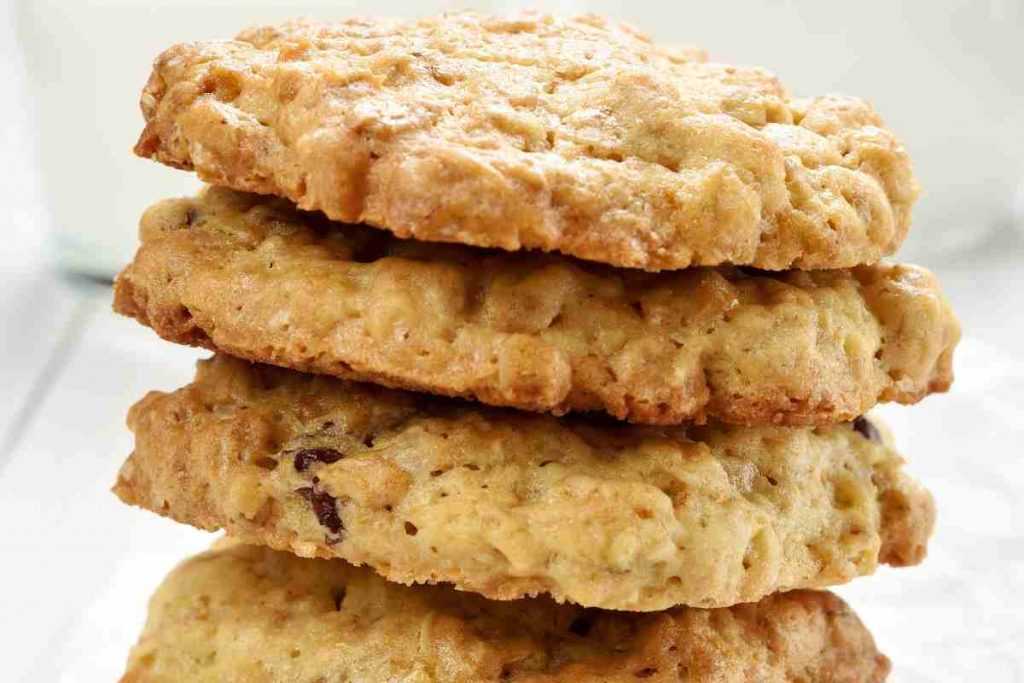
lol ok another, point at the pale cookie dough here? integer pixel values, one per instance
(509, 504)
(574, 134)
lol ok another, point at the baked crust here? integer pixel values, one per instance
(509, 504)
(255, 278)
(574, 134)
(243, 613)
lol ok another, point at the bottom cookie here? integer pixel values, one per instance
(247, 613)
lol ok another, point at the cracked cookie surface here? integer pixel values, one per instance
(509, 504)
(574, 134)
(256, 278)
(244, 613)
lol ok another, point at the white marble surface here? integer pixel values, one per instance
(77, 566)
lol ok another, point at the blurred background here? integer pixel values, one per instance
(946, 75)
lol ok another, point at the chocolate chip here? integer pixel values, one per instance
(645, 672)
(864, 427)
(304, 457)
(325, 507)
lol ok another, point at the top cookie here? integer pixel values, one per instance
(574, 134)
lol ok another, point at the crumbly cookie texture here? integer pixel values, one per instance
(244, 613)
(258, 279)
(509, 504)
(574, 134)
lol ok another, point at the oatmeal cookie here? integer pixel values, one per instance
(255, 278)
(509, 504)
(575, 134)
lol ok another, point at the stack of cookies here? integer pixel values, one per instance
(541, 353)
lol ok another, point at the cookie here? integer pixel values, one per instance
(574, 134)
(509, 504)
(256, 278)
(244, 613)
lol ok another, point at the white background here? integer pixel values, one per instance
(77, 566)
